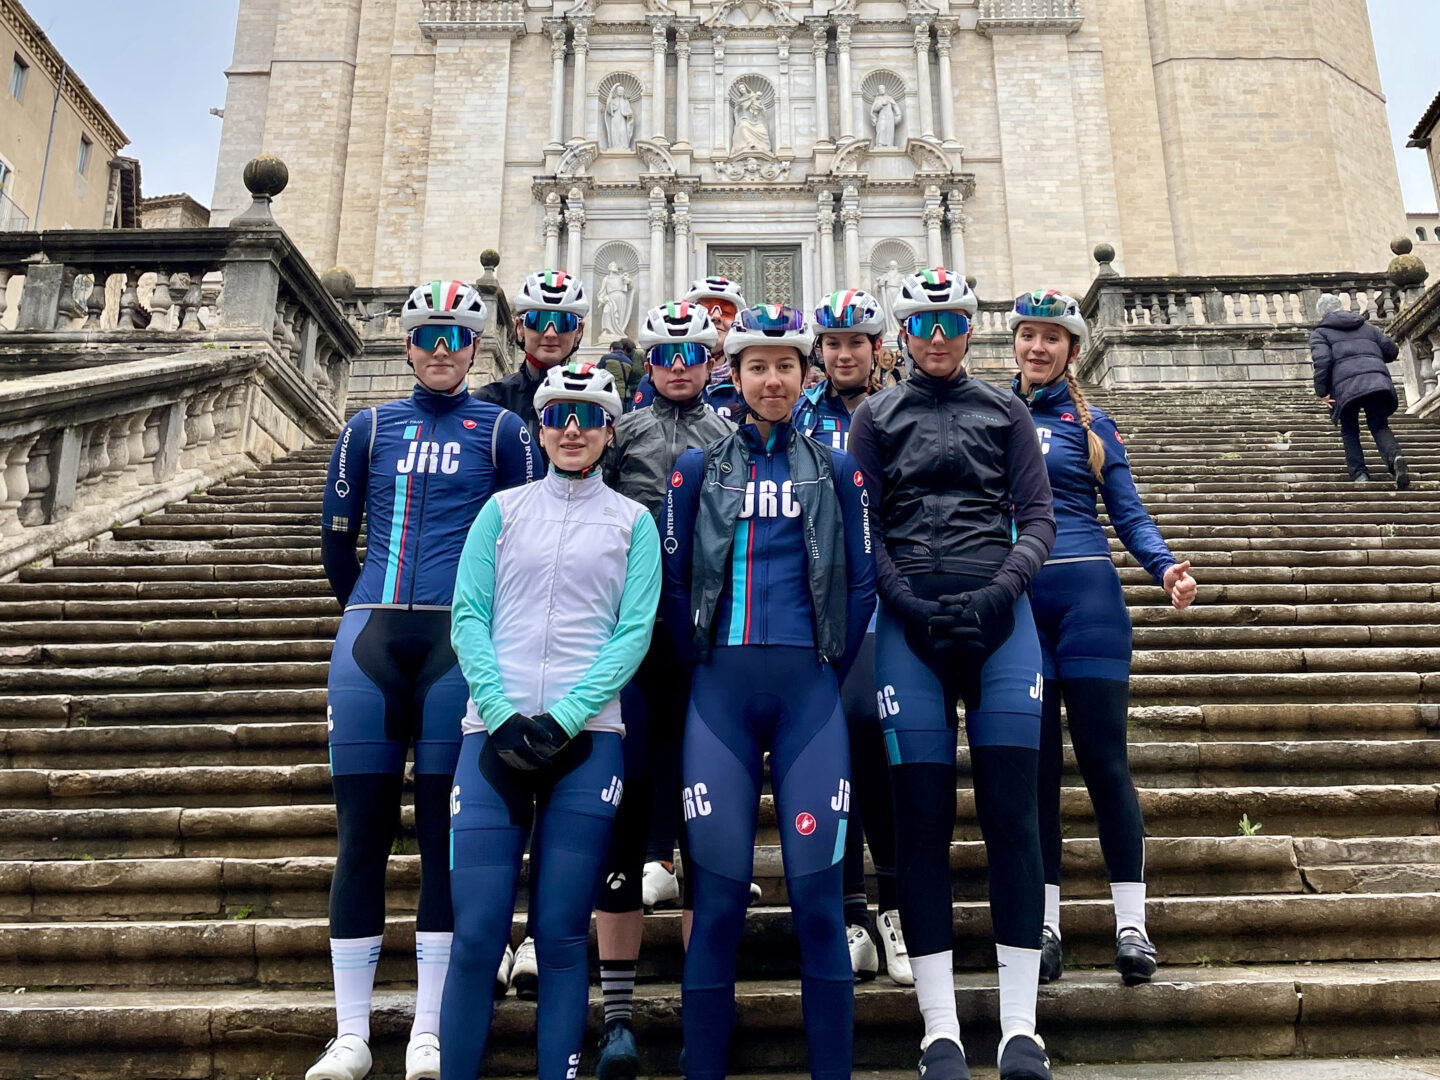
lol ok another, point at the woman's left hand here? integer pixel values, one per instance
(1180, 585)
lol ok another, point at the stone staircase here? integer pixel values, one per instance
(168, 837)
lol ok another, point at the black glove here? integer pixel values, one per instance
(914, 612)
(981, 619)
(528, 743)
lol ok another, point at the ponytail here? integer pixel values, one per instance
(1096, 455)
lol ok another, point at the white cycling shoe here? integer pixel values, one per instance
(864, 958)
(345, 1058)
(659, 885)
(897, 960)
(525, 974)
(502, 973)
(422, 1057)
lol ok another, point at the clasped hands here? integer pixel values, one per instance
(529, 742)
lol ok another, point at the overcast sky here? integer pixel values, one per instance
(160, 69)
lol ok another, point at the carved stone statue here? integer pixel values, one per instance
(614, 295)
(887, 288)
(885, 116)
(751, 132)
(619, 120)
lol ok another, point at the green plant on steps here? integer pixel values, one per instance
(1248, 827)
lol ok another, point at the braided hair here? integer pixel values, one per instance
(1096, 455)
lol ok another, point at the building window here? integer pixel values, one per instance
(5, 173)
(18, 71)
(84, 158)
(1420, 234)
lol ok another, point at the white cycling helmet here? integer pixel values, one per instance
(444, 303)
(934, 289)
(552, 290)
(677, 321)
(1049, 306)
(579, 381)
(849, 311)
(707, 290)
(770, 324)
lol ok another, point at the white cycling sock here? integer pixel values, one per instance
(1019, 984)
(432, 961)
(1052, 909)
(935, 992)
(1129, 897)
(353, 960)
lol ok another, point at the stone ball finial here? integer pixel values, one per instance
(1105, 256)
(339, 282)
(971, 280)
(1402, 245)
(489, 258)
(1406, 270)
(266, 176)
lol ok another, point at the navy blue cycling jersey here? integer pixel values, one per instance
(723, 397)
(823, 416)
(766, 599)
(1078, 530)
(419, 470)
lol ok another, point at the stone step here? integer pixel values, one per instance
(65, 591)
(1187, 1012)
(79, 680)
(1267, 720)
(292, 953)
(113, 655)
(186, 572)
(309, 828)
(25, 631)
(145, 610)
(126, 553)
(1233, 610)
(1282, 637)
(171, 745)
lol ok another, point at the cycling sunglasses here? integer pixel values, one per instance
(678, 354)
(843, 319)
(563, 321)
(1036, 305)
(723, 309)
(772, 320)
(454, 337)
(586, 414)
(952, 324)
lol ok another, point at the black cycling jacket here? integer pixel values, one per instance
(961, 482)
(515, 392)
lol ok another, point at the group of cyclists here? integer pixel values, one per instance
(595, 624)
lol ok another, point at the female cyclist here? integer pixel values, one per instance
(677, 339)
(848, 328)
(1083, 624)
(956, 468)
(721, 300)
(769, 585)
(554, 602)
(417, 471)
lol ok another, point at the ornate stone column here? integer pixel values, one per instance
(850, 219)
(659, 33)
(825, 225)
(681, 218)
(944, 30)
(955, 206)
(843, 23)
(556, 30)
(656, 218)
(922, 72)
(577, 92)
(783, 136)
(821, 40)
(682, 87)
(722, 109)
(931, 215)
(575, 227)
(552, 230)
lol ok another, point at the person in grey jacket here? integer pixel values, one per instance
(1350, 358)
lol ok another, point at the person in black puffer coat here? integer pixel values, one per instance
(1350, 375)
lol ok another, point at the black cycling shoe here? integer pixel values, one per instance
(1134, 957)
(1052, 960)
(943, 1060)
(619, 1059)
(1402, 473)
(1024, 1059)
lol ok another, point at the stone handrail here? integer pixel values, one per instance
(1416, 329)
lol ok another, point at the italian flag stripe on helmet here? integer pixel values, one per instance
(435, 296)
(839, 301)
(935, 276)
(451, 295)
(555, 279)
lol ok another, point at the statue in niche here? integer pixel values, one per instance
(887, 288)
(614, 295)
(885, 117)
(751, 133)
(619, 119)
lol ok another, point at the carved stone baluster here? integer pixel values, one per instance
(95, 302)
(191, 302)
(128, 319)
(16, 481)
(117, 446)
(97, 452)
(160, 302)
(4, 288)
(38, 477)
(134, 447)
(150, 438)
(190, 449)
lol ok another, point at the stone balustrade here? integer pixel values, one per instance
(1008, 16)
(1416, 329)
(448, 16)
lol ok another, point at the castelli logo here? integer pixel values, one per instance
(639, 396)
(804, 823)
(1068, 416)
(469, 424)
(859, 479)
(676, 479)
(1119, 438)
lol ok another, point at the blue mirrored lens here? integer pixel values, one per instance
(679, 354)
(455, 337)
(952, 324)
(585, 413)
(1049, 308)
(836, 320)
(776, 320)
(563, 321)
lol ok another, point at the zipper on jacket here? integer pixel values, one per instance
(554, 579)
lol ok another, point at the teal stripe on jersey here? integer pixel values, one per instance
(397, 533)
(839, 842)
(892, 748)
(739, 583)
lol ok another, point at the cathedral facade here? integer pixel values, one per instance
(803, 146)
